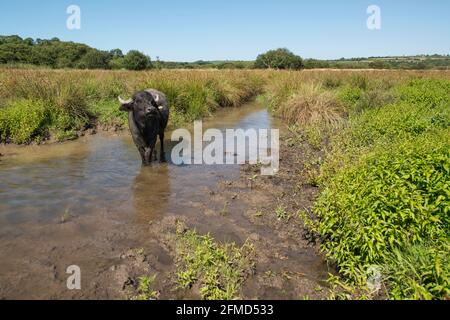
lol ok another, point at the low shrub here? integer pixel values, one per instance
(349, 95)
(391, 198)
(426, 92)
(24, 120)
(219, 269)
(108, 114)
(385, 194)
(359, 81)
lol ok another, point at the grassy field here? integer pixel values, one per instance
(384, 179)
(40, 104)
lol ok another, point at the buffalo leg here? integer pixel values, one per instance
(148, 155)
(142, 153)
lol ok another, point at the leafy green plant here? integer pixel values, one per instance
(24, 120)
(282, 213)
(220, 269)
(426, 92)
(418, 272)
(368, 202)
(145, 291)
(388, 192)
(384, 198)
(108, 114)
(349, 95)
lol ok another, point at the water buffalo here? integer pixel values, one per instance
(148, 114)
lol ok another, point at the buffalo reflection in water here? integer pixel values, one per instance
(151, 192)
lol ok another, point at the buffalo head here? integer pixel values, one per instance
(142, 104)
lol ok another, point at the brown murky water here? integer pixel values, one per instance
(97, 187)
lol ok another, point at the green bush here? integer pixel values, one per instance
(218, 269)
(40, 109)
(195, 101)
(108, 114)
(386, 188)
(426, 92)
(332, 83)
(279, 59)
(391, 121)
(135, 60)
(392, 198)
(349, 95)
(24, 120)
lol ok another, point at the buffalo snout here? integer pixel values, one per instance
(151, 111)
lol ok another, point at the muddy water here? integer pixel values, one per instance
(85, 202)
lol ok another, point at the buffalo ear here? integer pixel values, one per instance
(126, 107)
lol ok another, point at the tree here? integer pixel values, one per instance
(279, 59)
(378, 64)
(135, 60)
(117, 63)
(94, 59)
(314, 63)
(116, 53)
(60, 54)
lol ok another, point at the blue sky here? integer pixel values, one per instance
(189, 30)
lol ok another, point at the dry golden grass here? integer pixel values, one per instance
(312, 96)
(312, 105)
(74, 97)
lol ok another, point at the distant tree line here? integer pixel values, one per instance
(205, 65)
(407, 63)
(54, 53)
